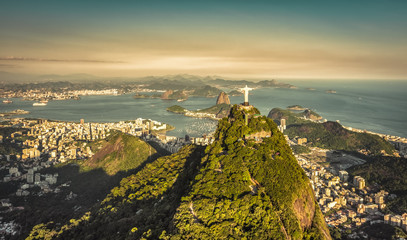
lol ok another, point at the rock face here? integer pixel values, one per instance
(311, 115)
(223, 98)
(167, 94)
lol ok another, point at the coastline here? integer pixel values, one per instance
(195, 114)
(352, 111)
(388, 137)
(14, 113)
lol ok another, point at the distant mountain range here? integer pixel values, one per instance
(174, 82)
(8, 78)
(20, 78)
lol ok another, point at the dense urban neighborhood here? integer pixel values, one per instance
(346, 202)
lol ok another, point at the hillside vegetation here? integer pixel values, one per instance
(220, 110)
(120, 152)
(90, 180)
(240, 187)
(176, 109)
(291, 118)
(389, 173)
(206, 91)
(11, 146)
(332, 135)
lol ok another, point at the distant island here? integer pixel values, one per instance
(143, 95)
(330, 91)
(296, 108)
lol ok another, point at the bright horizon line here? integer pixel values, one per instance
(224, 77)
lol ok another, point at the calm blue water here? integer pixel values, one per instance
(375, 106)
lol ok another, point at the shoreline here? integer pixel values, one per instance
(387, 137)
(384, 129)
(212, 117)
(193, 114)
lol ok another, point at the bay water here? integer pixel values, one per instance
(378, 106)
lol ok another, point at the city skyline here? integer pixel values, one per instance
(233, 39)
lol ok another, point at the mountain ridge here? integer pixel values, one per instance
(120, 152)
(247, 184)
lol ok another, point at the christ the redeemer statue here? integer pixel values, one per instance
(246, 95)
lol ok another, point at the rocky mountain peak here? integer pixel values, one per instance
(223, 98)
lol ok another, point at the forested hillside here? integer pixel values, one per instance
(332, 135)
(389, 173)
(246, 185)
(120, 152)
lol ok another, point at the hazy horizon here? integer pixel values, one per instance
(233, 39)
(10, 78)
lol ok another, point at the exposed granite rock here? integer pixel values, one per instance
(223, 98)
(311, 115)
(167, 94)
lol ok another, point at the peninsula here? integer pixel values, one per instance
(219, 110)
(14, 112)
(296, 108)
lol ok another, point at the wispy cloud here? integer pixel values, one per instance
(29, 59)
(8, 66)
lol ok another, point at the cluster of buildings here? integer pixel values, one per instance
(46, 143)
(61, 141)
(86, 92)
(29, 176)
(399, 143)
(282, 125)
(44, 94)
(200, 115)
(396, 220)
(49, 142)
(358, 182)
(347, 204)
(300, 141)
(39, 94)
(8, 228)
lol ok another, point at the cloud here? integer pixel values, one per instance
(8, 66)
(29, 59)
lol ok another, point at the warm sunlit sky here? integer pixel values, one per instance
(364, 39)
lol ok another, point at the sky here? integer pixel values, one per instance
(365, 39)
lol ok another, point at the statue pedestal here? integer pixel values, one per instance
(245, 107)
